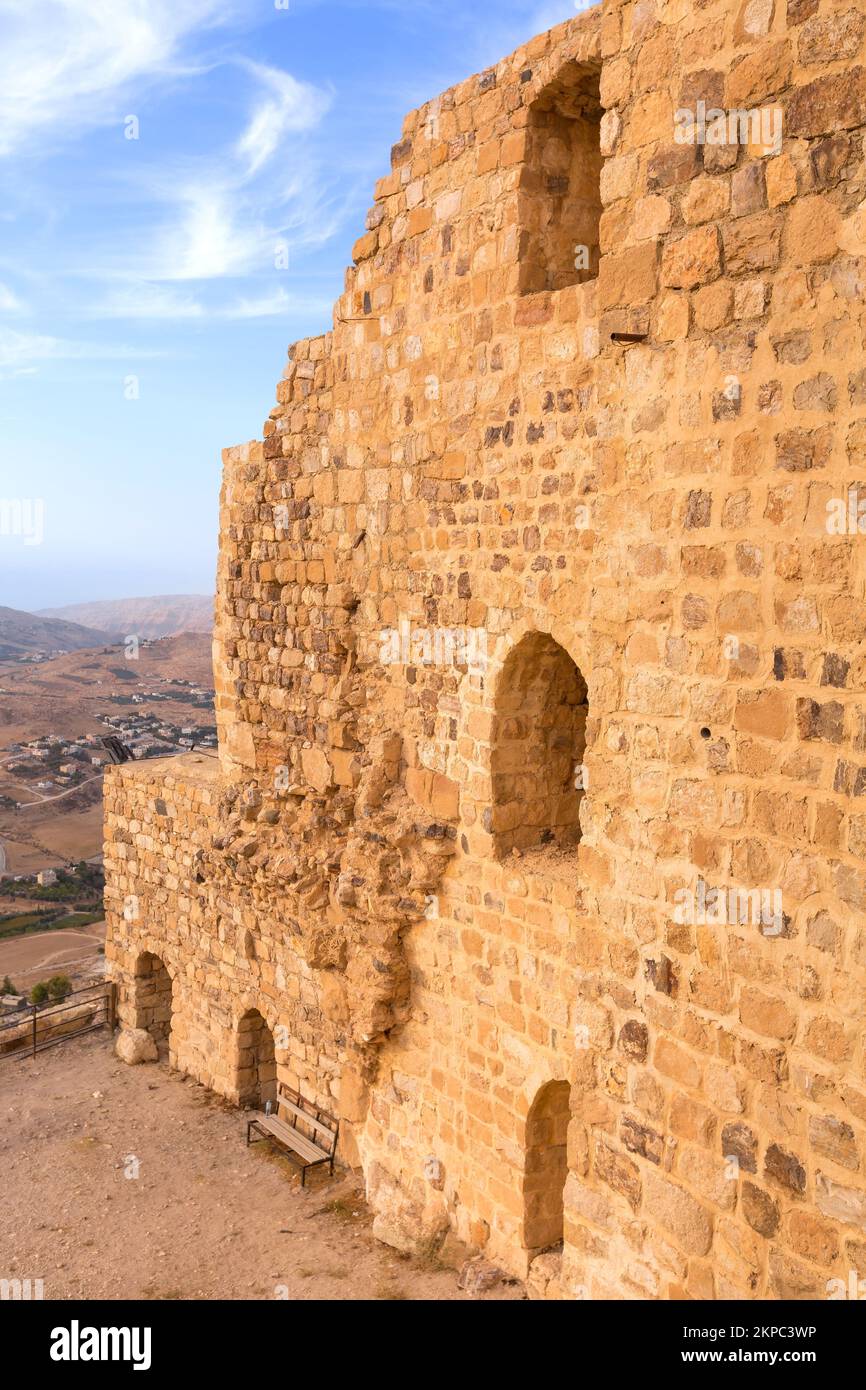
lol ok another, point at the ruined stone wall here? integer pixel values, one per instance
(224, 952)
(634, 468)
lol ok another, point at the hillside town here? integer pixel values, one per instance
(53, 763)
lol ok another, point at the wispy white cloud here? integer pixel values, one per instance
(279, 301)
(206, 227)
(146, 301)
(65, 64)
(9, 301)
(286, 106)
(23, 352)
(141, 299)
(207, 239)
(229, 213)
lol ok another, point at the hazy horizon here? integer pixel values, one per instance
(117, 598)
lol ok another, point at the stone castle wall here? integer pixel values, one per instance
(536, 835)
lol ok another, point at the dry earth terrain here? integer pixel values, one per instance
(75, 951)
(65, 694)
(52, 834)
(206, 1217)
(64, 697)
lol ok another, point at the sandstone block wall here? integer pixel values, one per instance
(582, 538)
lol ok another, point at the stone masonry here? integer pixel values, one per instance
(536, 845)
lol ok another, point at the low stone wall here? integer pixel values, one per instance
(226, 953)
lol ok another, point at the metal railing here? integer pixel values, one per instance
(40, 1026)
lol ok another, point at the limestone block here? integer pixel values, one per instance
(134, 1046)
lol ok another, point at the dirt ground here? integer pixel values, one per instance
(205, 1218)
(23, 956)
(48, 835)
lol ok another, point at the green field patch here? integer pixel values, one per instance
(79, 919)
(21, 923)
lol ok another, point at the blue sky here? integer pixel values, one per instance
(144, 319)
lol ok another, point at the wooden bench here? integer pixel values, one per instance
(305, 1150)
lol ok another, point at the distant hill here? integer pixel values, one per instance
(65, 695)
(21, 634)
(189, 654)
(142, 617)
(185, 655)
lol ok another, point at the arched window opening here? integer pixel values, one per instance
(257, 1063)
(559, 201)
(153, 999)
(539, 742)
(546, 1167)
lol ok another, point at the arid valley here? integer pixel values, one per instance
(152, 693)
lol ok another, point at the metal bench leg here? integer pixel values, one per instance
(303, 1177)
